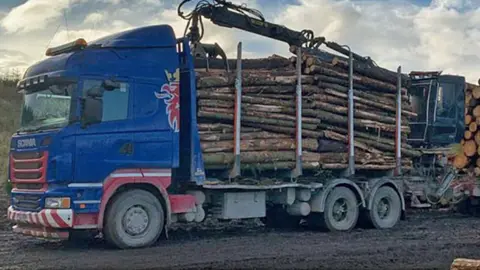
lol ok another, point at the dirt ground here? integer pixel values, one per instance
(424, 241)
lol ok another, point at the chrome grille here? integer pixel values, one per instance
(29, 202)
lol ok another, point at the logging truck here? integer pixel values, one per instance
(113, 138)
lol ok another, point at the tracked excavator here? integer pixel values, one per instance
(437, 99)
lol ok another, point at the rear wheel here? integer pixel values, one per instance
(386, 208)
(134, 219)
(341, 210)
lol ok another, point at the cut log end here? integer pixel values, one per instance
(473, 127)
(460, 161)
(476, 92)
(470, 148)
(468, 119)
(467, 135)
(476, 111)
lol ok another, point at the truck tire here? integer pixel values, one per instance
(386, 208)
(134, 219)
(341, 210)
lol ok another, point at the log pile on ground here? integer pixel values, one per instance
(467, 155)
(268, 115)
(465, 264)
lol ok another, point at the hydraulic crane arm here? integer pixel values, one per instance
(227, 14)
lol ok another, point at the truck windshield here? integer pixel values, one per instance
(47, 108)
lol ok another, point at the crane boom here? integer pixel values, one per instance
(227, 14)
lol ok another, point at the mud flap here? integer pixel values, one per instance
(165, 232)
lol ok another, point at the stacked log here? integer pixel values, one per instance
(467, 156)
(465, 264)
(268, 119)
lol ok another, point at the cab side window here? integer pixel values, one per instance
(115, 102)
(446, 100)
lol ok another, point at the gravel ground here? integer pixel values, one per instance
(425, 241)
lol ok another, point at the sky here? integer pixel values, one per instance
(415, 34)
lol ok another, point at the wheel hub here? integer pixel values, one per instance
(340, 209)
(135, 220)
(383, 208)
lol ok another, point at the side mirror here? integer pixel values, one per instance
(92, 111)
(110, 85)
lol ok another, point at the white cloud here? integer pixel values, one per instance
(35, 15)
(443, 36)
(94, 18)
(438, 37)
(65, 36)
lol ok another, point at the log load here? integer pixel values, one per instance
(268, 116)
(466, 157)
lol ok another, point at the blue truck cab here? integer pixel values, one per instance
(99, 116)
(109, 143)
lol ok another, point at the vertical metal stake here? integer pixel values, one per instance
(298, 131)
(398, 126)
(351, 142)
(237, 114)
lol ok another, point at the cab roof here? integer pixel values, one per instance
(154, 36)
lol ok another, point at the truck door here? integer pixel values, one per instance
(103, 147)
(157, 117)
(449, 116)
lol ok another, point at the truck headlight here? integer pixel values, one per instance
(62, 202)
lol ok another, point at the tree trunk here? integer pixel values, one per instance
(271, 144)
(372, 72)
(363, 135)
(255, 119)
(362, 80)
(343, 120)
(358, 113)
(325, 145)
(362, 93)
(369, 102)
(267, 63)
(244, 136)
(250, 80)
(280, 116)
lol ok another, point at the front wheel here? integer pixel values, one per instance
(134, 219)
(386, 208)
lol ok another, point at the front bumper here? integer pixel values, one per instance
(48, 223)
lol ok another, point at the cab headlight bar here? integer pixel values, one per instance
(28, 82)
